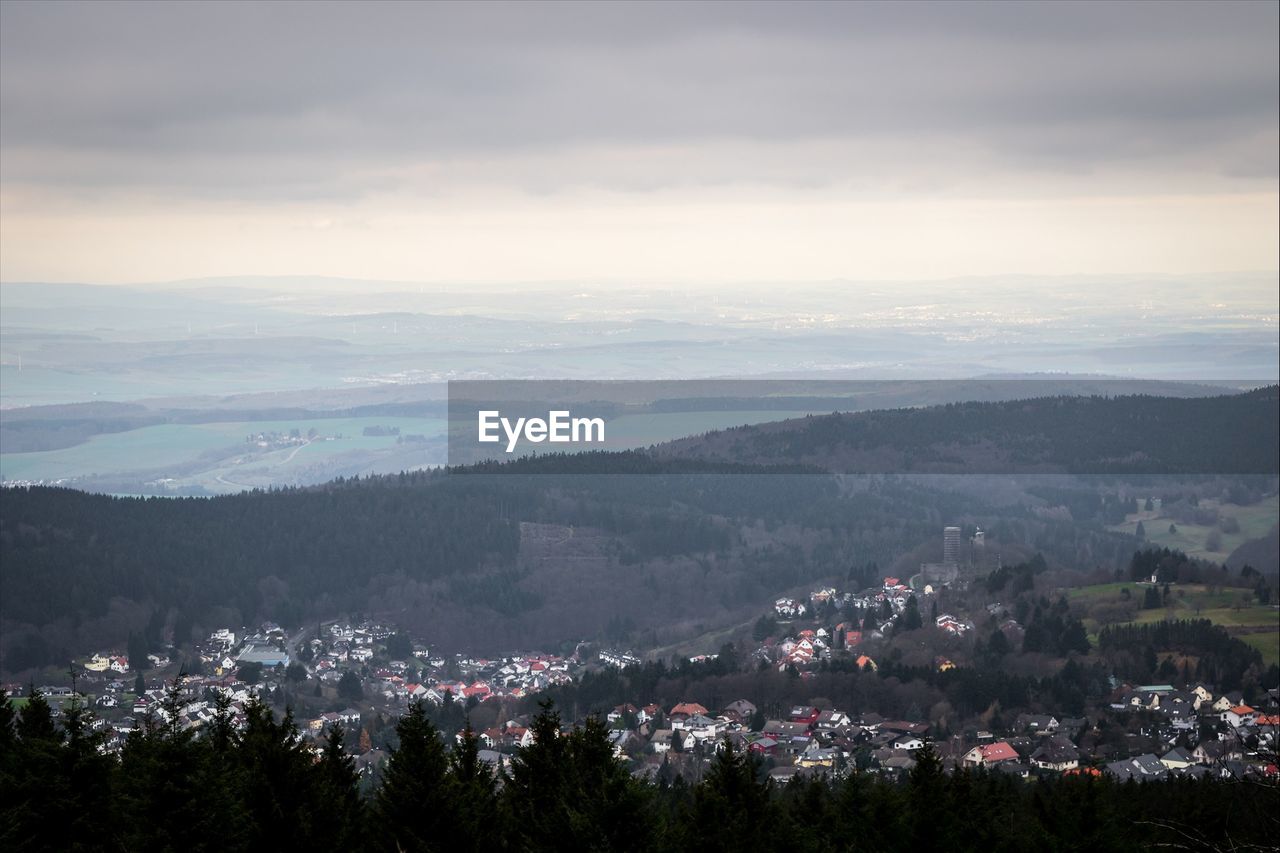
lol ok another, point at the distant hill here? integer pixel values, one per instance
(1262, 553)
(1229, 434)
(534, 553)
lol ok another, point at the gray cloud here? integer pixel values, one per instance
(301, 101)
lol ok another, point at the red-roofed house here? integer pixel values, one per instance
(685, 710)
(479, 689)
(621, 711)
(990, 754)
(519, 736)
(1240, 715)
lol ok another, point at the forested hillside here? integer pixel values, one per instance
(1231, 434)
(661, 540)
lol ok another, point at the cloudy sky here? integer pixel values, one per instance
(657, 142)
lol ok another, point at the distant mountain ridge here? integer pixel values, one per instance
(701, 539)
(1228, 434)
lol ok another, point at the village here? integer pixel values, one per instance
(365, 675)
(344, 665)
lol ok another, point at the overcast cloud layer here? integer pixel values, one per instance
(147, 141)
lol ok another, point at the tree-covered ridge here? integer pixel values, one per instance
(1220, 658)
(255, 786)
(704, 539)
(301, 554)
(68, 552)
(1230, 434)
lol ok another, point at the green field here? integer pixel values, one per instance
(1254, 616)
(1268, 643)
(216, 456)
(1255, 521)
(178, 446)
(1234, 609)
(1191, 598)
(1102, 590)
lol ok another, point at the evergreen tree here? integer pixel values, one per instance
(409, 806)
(911, 620)
(34, 794)
(731, 808)
(399, 646)
(341, 818)
(764, 627)
(56, 785)
(279, 783)
(471, 797)
(569, 792)
(35, 720)
(8, 737)
(137, 651)
(164, 798)
(998, 645)
(250, 673)
(928, 788)
(349, 686)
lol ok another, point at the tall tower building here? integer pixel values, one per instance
(951, 545)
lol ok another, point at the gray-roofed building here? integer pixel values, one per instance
(1056, 753)
(265, 655)
(1142, 768)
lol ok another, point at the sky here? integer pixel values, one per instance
(707, 143)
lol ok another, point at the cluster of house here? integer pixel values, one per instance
(789, 608)
(225, 650)
(809, 646)
(343, 647)
(100, 662)
(893, 591)
(118, 711)
(1184, 708)
(953, 625)
(1223, 755)
(1196, 731)
(807, 740)
(803, 648)
(812, 740)
(340, 649)
(515, 676)
(618, 659)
